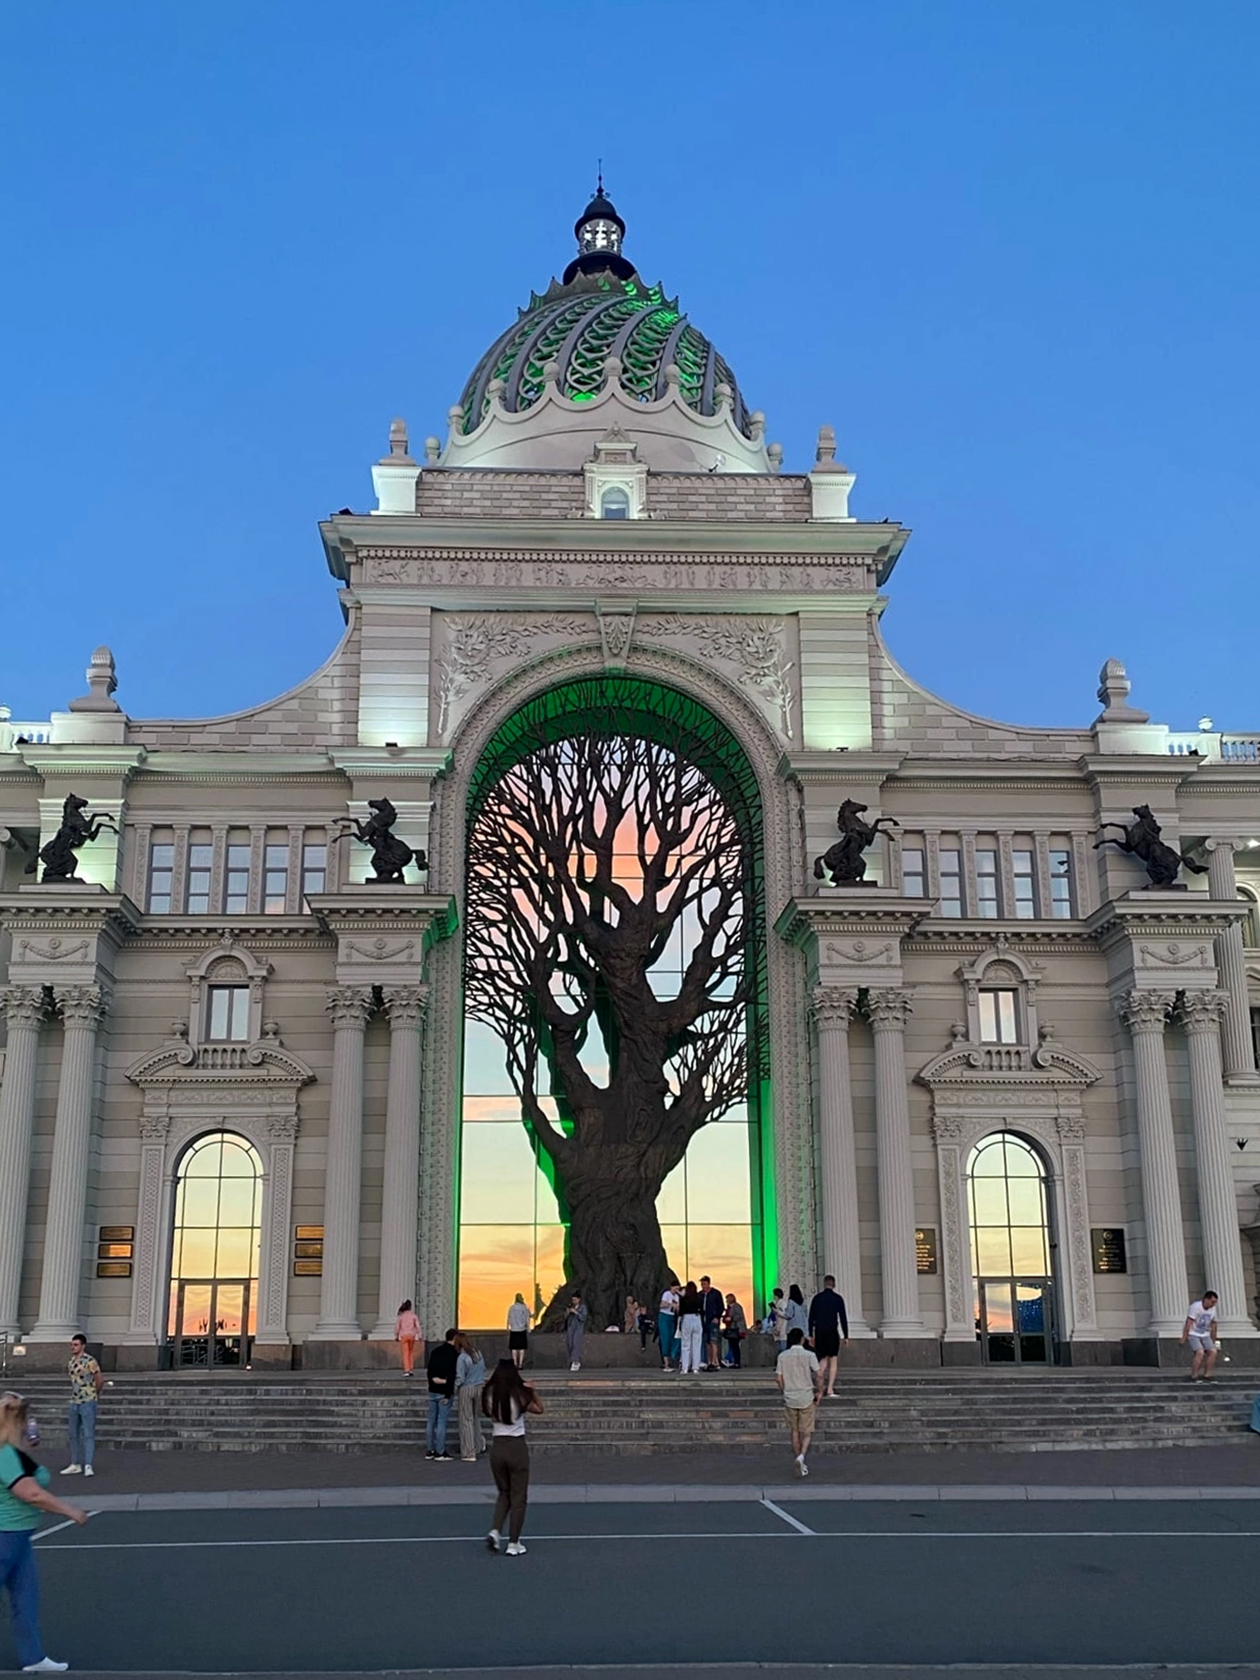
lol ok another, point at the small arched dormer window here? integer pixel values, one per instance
(1001, 993)
(614, 503)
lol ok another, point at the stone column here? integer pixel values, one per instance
(81, 1010)
(888, 1011)
(1144, 1013)
(273, 1250)
(832, 1008)
(406, 1007)
(1237, 1050)
(1218, 1205)
(24, 1007)
(349, 1007)
(148, 1305)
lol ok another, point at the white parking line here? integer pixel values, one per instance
(787, 1516)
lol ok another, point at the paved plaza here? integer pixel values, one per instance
(804, 1578)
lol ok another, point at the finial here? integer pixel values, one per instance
(599, 176)
(398, 438)
(1113, 691)
(825, 452)
(101, 681)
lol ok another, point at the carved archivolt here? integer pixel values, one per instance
(754, 649)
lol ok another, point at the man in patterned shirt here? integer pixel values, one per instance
(86, 1382)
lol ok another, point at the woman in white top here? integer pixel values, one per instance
(518, 1319)
(666, 1320)
(505, 1400)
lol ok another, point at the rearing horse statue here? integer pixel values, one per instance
(390, 855)
(78, 827)
(843, 862)
(1142, 840)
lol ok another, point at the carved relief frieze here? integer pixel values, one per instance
(829, 574)
(753, 649)
(471, 649)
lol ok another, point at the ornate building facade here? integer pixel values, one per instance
(1006, 1089)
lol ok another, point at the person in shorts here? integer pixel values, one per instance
(1200, 1331)
(828, 1323)
(796, 1372)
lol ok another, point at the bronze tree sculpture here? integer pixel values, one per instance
(843, 864)
(78, 827)
(594, 862)
(390, 855)
(1142, 840)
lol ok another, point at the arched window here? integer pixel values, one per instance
(1011, 1250)
(614, 503)
(214, 1251)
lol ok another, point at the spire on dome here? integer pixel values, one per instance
(599, 231)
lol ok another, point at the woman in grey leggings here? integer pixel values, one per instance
(505, 1400)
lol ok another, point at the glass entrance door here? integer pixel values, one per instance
(212, 1321)
(1016, 1322)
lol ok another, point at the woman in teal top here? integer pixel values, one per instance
(24, 1497)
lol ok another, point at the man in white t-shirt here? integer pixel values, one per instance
(796, 1372)
(1200, 1331)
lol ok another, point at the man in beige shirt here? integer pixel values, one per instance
(796, 1372)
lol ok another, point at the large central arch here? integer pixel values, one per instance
(615, 942)
(788, 1215)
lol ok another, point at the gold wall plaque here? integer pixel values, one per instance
(117, 1233)
(113, 1268)
(113, 1251)
(309, 1233)
(308, 1268)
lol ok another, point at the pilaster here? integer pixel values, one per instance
(832, 1009)
(1144, 1012)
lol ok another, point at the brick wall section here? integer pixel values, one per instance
(321, 712)
(485, 493)
(906, 718)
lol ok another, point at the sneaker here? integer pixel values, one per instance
(71, 1470)
(801, 1467)
(443, 1458)
(492, 1540)
(468, 1458)
(88, 1470)
(575, 1366)
(516, 1549)
(46, 1665)
(430, 1455)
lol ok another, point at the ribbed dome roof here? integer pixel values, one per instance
(602, 312)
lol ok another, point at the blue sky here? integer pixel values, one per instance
(1009, 251)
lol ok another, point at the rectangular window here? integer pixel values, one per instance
(275, 879)
(1061, 884)
(197, 896)
(314, 869)
(1025, 883)
(986, 882)
(161, 875)
(951, 881)
(229, 1012)
(236, 880)
(999, 1017)
(913, 872)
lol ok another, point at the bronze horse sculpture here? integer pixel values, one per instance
(78, 827)
(843, 863)
(390, 855)
(1142, 840)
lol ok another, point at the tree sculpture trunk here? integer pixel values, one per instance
(608, 914)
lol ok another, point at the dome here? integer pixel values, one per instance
(583, 326)
(601, 339)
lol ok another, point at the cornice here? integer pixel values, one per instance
(183, 932)
(871, 910)
(1033, 773)
(1142, 912)
(1123, 769)
(74, 758)
(39, 909)
(386, 908)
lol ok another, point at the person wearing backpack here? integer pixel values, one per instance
(470, 1375)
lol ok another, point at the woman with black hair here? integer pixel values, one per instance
(797, 1317)
(505, 1400)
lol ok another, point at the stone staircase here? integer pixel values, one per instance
(652, 1413)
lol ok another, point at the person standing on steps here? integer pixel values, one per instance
(470, 1374)
(779, 1319)
(796, 1315)
(518, 1330)
(86, 1383)
(691, 1330)
(666, 1320)
(506, 1399)
(734, 1328)
(443, 1363)
(409, 1336)
(576, 1314)
(828, 1322)
(1200, 1331)
(24, 1500)
(796, 1373)
(711, 1309)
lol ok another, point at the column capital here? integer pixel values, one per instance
(1145, 1011)
(406, 1006)
(81, 1006)
(833, 1006)
(1200, 1012)
(1218, 843)
(888, 1009)
(25, 1006)
(349, 1006)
